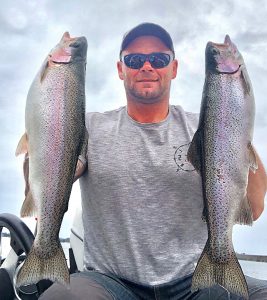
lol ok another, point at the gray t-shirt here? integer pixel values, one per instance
(141, 200)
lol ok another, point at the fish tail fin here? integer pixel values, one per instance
(28, 207)
(228, 275)
(37, 267)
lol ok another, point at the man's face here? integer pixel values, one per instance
(147, 85)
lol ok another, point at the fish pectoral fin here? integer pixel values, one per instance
(194, 151)
(229, 275)
(244, 215)
(43, 71)
(37, 267)
(247, 83)
(253, 164)
(22, 145)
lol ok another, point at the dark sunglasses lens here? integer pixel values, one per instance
(134, 61)
(159, 60)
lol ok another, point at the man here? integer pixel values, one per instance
(141, 200)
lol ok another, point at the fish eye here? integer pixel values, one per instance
(214, 51)
(75, 45)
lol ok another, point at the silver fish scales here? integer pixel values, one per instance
(54, 137)
(222, 152)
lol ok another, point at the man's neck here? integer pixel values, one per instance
(148, 113)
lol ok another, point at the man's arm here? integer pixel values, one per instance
(256, 189)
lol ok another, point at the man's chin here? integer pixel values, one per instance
(145, 96)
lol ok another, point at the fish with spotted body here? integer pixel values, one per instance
(55, 136)
(221, 151)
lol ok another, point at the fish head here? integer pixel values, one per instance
(223, 58)
(69, 49)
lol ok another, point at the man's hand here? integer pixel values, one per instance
(256, 189)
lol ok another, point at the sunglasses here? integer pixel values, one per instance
(157, 60)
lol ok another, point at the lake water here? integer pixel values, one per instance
(250, 268)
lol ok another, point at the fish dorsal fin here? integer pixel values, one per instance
(22, 145)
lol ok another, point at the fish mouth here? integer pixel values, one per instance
(228, 71)
(63, 52)
(225, 56)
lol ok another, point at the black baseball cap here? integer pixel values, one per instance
(147, 29)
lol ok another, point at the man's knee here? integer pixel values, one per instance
(80, 288)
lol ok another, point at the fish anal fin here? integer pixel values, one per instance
(194, 151)
(228, 275)
(22, 145)
(37, 267)
(253, 164)
(28, 208)
(244, 215)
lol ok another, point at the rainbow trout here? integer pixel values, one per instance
(55, 135)
(221, 151)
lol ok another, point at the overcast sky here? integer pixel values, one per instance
(29, 29)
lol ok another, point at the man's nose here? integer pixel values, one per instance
(146, 66)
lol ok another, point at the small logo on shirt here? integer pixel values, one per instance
(180, 158)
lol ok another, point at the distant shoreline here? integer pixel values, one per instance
(62, 240)
(252, 257)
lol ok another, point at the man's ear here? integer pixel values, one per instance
(174, 68)
(119, 68)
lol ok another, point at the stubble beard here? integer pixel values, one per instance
(146, 96)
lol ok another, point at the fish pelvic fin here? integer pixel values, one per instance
(22, 145)
(36, 268)
(228, 275)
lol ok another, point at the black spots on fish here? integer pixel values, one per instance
(40, 246)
